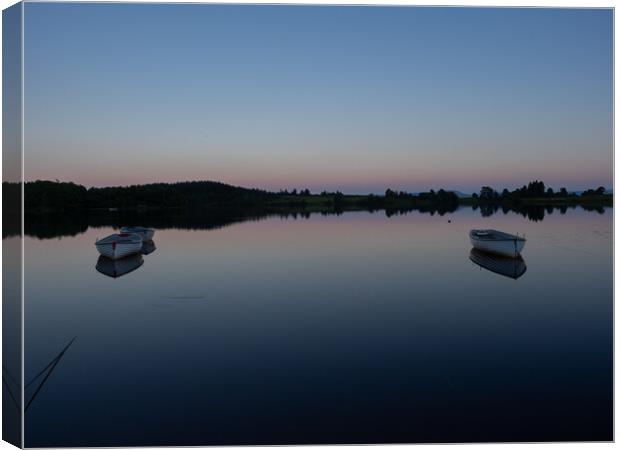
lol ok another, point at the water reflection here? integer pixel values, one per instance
(303, 305)
(502, 265)
(44, 374)
(35, 385)
(535, 213)
(72, 224)
(115, 268)
(148, 247)
(12, 386)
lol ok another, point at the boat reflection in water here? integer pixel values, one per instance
(502, 265)
(118, 267)
(148, 247)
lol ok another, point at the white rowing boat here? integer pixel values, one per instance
(145, 233)
(498, 242)
(119, 245)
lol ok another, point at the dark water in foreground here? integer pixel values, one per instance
(356, 328)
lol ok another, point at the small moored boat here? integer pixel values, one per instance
(502, 265)
(119, 245)
(498, 242)
(145, 233)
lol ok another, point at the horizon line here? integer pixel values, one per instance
(297, 188)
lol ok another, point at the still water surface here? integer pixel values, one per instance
(355, 328)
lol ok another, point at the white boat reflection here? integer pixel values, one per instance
(148, 247)
(118, 267)
(502, 265)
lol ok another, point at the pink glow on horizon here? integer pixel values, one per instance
(355, 181)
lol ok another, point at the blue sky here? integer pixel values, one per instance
(351, 98)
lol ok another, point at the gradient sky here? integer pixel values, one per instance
(350, 98)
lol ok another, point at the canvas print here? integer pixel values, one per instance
(232, 224)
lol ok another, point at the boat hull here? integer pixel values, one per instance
(117, 246)
(115, 250)
(498, 242)
(146, 234)
(510, 248)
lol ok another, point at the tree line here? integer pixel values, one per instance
(45, 196)
(533, 190)
(55, 196)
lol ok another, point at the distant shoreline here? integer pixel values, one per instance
(49, 197)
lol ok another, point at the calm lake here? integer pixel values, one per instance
(350, 328)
